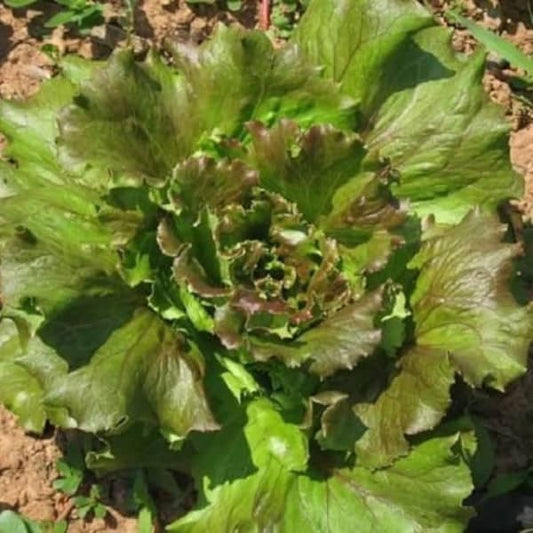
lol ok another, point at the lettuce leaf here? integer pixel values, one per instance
(259, 485)
(282, 255)
(467, 322)
(423, 104)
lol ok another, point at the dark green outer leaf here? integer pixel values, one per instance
(431, 117)
(355, 40)
(144, 372)
(466, 321)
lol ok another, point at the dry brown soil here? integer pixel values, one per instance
(27, 464)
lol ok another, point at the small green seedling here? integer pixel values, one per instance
(129, 18)
(144, 503)
(72, 471)
(84, 14)
(91, 503)
(284, 14)
(19, 4)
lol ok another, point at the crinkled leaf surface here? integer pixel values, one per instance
(486, 332)
(357, 41)
(425, 107)
(466, 321)
(206, 255)
(53, 219)
(322, 160)
(32, 130)
(139, 120)
(29, 270)
(339, 342)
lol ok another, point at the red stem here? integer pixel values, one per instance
(264, 15)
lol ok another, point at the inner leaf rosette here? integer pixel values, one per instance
(250, 267)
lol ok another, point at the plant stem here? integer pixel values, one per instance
(66, 511)
(264, 15)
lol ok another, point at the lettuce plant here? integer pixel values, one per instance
(266, 267)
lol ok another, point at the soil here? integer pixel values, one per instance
(27, 473)
(27, 463)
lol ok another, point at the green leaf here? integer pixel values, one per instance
(337, 343)
(145, 521)
(238, 380)
(100, 511)
(416, 494)
(305, 167)
(364, 205)
(483, 461)
(506, 483)
(30, 271)
(464, 148)
(22, 389)
(80, 236)
(71, 478)
(415, 401)
(139, 120)
(494, 43)
(234, 5)
(247, 488)
(253, 81)
(485, 331)
(63, 17)
(431, 117)
(11, 522)
(71, 469)
(201, 182)
(19, 3)
(466, 321)
(339, 427)
(156, 378)
(137, 447)
(367, 36)
(31, 129)
(60, 526)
